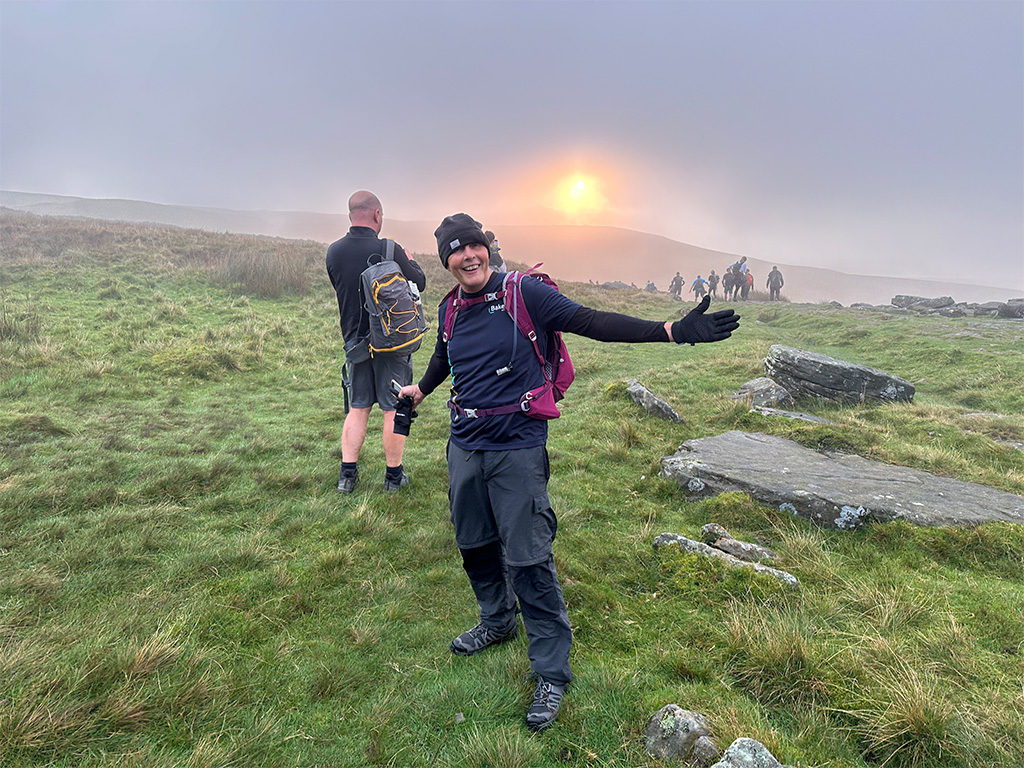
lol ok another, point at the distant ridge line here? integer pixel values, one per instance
(582, 253)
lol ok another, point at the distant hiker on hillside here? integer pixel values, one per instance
(736, 279)
(676, 287)
(774, 284)
(698, 288)
(651, 287)
(498, 464)
(731, 282)
(497, 263)
(367, 379)
(713, 281)
(747, 283)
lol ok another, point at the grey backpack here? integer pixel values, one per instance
(397, 323)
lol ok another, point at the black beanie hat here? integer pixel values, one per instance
(455, 231)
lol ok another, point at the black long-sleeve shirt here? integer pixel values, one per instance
(346, 260)
(592, 323)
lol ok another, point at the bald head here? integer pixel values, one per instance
(364, 210)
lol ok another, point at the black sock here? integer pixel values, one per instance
(349, 469)
(394, 473)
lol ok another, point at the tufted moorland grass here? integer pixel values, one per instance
(180, 584)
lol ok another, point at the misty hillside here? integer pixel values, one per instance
(579, 253)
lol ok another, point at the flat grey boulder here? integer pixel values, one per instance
(832, 489)
(808, 374)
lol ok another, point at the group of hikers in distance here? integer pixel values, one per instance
(495, 334)
(736, 284)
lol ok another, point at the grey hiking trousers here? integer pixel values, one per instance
(504, 526)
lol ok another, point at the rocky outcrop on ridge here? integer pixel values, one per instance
(947, 307)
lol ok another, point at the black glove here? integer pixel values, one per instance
(404, 414)
(697, 328)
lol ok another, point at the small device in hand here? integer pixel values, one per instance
(404, 413)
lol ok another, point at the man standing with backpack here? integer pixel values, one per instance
(774, 284)
(497, 454)
(713, 280)
(368, 378)
(676, 287)
(699, 287)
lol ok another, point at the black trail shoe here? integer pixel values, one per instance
(480, 637)
(390, 486)
(547, 700)
(347, 483)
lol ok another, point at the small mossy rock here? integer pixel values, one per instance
(650, 402)
(673, 732)
(747, 753)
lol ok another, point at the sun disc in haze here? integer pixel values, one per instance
(580, 197)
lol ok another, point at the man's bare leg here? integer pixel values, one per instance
(353, 433)
(394, 445)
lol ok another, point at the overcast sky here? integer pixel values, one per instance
(872, 137)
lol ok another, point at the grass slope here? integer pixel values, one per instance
(180, 584)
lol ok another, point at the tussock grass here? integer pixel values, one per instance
(774, 657)
(264, 269)
(181, 585)
(506, 747)
(906, 718)
(24, 327)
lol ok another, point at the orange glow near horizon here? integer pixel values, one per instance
(555, 190)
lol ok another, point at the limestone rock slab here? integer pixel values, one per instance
(832, 489)
(700, 548)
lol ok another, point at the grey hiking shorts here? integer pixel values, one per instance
(369, 382)
(502, 496)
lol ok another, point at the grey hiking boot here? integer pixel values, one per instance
(390, 486)
(347, 483)
(480, 637)
(547, 700)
